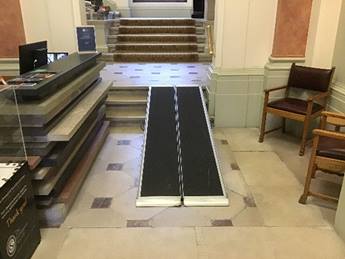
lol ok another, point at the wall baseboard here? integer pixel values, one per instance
(9, 66)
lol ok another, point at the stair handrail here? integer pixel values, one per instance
(210, 39)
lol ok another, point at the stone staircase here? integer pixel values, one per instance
(126, 106)
(157, 40)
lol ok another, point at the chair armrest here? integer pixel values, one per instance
(318, 97)
(329, 134)
(333, 114)
(275, 89)
(2, 81)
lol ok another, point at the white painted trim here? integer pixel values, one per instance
(158, 201)
(206, 201)
(145, 137)
(212, 144)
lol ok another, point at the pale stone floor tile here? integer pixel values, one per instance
(303, 242)
(125, 205)
(51, 243)
(248, 217)
(264, 169)
(180, 217)
(236, 205)
(279, 207)
(108, 184)
(269, 224)
(234, 181)
(245, 139)
(143, 243)
(242, 242)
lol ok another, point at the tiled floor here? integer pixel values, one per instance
(264, 219)
(150, 74)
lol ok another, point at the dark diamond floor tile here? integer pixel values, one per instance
(193, 73)
(138, 69)
(224, 142)
(138, 223)
(118, 73)
(249, 201)
(222, 223)
(123, 142)
(155, 73)
(234, 166)
(101, 203)
(115, 167)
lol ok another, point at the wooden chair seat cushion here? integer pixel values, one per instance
(332, 148)
(294, 105)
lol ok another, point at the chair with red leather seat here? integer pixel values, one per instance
(304, 78)
(328, 153)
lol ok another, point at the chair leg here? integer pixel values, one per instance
(304, 137)
(263, 126)
(311, 172)
(284, 125)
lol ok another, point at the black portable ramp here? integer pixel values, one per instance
(202, 180)
(159, 183)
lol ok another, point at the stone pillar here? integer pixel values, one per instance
(289, 45)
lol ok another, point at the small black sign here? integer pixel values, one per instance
(86, 39)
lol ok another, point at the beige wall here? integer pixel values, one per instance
(322, 32)
(53, 21)
(244, 33)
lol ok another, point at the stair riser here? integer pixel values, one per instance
(157, 39)
(154, 48)
(157, 22)
(153, 30)
(156, 58)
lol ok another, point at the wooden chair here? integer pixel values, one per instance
(306, 78)
(328, 153)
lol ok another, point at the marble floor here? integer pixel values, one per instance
(151, 74)
(264, 219)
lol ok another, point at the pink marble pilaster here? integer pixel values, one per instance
(292, 25)
(11, 28)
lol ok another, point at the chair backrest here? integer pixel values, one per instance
(310, 78)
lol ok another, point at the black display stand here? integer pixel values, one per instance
(19, 231)
(198, 9)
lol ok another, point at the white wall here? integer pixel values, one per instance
(244, 33)
(53, 21)
(161, 9)
(322, 32)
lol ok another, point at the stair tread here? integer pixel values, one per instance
(154, 26)
(156, 35)
(121, 113)
(127, 98)
(155, 44)
(156, 53)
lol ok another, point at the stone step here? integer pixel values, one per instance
(157, 22)
(205, 57)
(156, 47)
(106, 56)
(156, 57)
(156, 29)
(116, 87)
(128, 97)
(126, 113)
(156, 38)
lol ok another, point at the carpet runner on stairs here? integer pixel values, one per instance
(157, 40)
